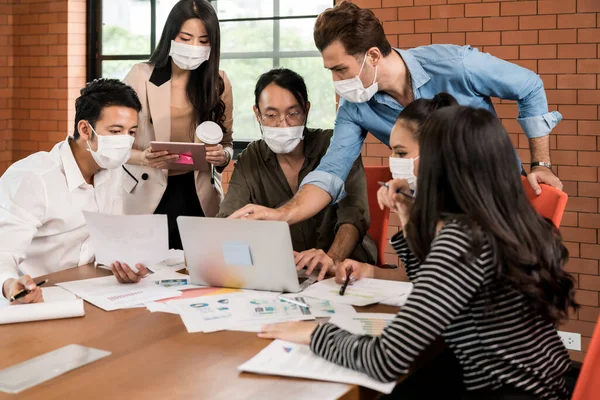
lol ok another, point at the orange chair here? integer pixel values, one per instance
(550, 204)
(588, 383)
(379, 218)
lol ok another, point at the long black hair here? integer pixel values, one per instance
(205, 86)
(468, 172)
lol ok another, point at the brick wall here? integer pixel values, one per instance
(42, 68)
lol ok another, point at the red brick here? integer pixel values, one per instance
(519, 37)
(504, 52)
(407, 13)
(378, 150)
(393, 40)
(386, 14)
(569, 219)
(576, 143)
(464, 1)
(589, 221)
(483, 38)
(577, 20)
(558, 36)
(431, 25)
(560, 157)
(589, 96)
(582, 204)
(397, 27)
(537, 22)
(519, 8)
(368, 3)
(588, 35)
(586, 297)
(482, 10)
(576, 51)
(586, 174)
(590, 251)
(429, 2)
(450, 11)
(501, 24)
(465, 25)
(589, 158)
(407, 41)
(584, 6)
(449, 38)
(543, 51)
(557, 67)
(588, 127)
(570, 188)
(588, 66)
(576, 82)
(589, 313)
(395, 3)
(556, 6)
(582, 235)
(582, 327)
(529, 64)
(578, 112)
(581, 266)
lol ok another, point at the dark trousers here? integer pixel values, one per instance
(180, 198)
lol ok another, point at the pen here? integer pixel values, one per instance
(25, 292)
(345, 285)
(398, 191)
(298, 303)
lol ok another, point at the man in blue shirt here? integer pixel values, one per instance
(376, 82)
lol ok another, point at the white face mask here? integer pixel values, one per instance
(404, 168)
(283, 140)
(353, 90)
(188, 57)
(113, 150)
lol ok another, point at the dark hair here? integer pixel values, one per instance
(286, 79)
(358, 29)
(418, 111)
(102, 93)
(468, 172)
(205, 86)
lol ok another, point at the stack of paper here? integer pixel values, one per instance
(289, 359)
(361, 293)
(108, 294)
(58, 303)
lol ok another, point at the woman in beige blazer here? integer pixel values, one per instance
(180, 87)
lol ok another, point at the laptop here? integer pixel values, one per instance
(241, 254)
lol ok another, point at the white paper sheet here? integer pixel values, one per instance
(361, 293)
(399, 300)
(129, 239)
(289, 359)
(108, 294)
(175, 261)
(363, 323)
(323, 308)
(58, 303)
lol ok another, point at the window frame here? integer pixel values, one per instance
(95, 56)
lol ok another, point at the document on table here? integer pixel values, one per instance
(175, 261)
(236, 312)
(361, 293)
(322, 308)
(289, 359)
(42, 368)
(129, 239)
(363, 323)
(58, 303)
(107, 293)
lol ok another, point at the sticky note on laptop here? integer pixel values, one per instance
(237, 253)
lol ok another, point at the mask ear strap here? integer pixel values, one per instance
(363, 63)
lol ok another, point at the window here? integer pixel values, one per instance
(256, 35)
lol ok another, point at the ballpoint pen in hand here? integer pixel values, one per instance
(398, 191)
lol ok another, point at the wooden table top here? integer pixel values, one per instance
(154, 357)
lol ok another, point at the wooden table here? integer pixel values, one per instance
(153, 357)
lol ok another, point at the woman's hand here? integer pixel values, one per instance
(396, 202)
(217, 156)
(357, 271)
(157, 159)
(296, 332)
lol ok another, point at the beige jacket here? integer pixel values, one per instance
(145, 186)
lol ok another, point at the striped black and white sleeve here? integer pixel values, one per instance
(444, 287)
(410, 261)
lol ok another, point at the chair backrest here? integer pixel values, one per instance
(550, 204)
(379, 218)
(588, 383)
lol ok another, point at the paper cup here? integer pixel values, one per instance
(209, 133)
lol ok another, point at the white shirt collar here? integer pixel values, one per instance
(71, 169)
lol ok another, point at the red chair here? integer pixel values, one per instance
(379, 218)
(550, 204)
(588, 383)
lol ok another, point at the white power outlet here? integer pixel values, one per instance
(572, 341)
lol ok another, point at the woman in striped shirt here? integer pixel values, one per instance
(487, 271)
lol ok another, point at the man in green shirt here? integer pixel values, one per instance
(269, 171)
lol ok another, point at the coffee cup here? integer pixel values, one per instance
(210, 134)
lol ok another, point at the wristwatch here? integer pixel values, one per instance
(541, 164)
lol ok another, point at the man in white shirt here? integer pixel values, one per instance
(42, 227)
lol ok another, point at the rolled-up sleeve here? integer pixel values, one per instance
(494, 77)
(344, 149)
(354, 208)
